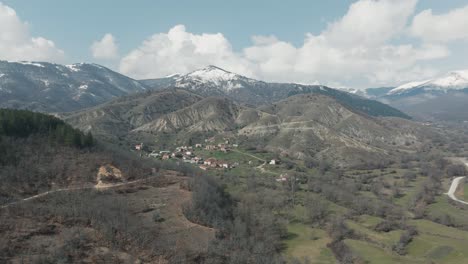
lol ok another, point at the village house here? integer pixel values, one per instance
(139, 146)
(198, 160)
(225, 149)
(210, 162)
(198, 145)
(211, 147)
(166, 156)
(203, 167)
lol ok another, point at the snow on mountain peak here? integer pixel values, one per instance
(31, 63)
(455, 79)
(452, 80)
(73, 67)
(212, 74)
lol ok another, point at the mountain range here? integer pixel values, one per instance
(214, 81)
(48, 87)
(439, 99)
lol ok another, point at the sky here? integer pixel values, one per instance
(358, 44)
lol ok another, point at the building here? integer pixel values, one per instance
(211, 147)
(210, 162)
(198, 145)
(139, 146)
(166, 156)
(203, 167)
(225, 149)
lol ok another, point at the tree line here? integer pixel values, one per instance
(23, 123)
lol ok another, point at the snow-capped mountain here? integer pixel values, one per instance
(213, 77)
(52, 87)
(444, 98)
(214, 81)
(456, 80)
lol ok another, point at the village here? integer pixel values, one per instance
(199, 155)
(189, 154)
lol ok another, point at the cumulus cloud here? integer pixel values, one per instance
(106, 48)
(181, 51)
(446, 27)
(357, 49)
(16, 43)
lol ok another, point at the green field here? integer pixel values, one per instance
(434, 243)
(308, 243)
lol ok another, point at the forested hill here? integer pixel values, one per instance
(23, 123)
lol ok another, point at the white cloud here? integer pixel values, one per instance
(106, 48)
(356, 50)
(181, 51)
(16, 43)
(446, 27)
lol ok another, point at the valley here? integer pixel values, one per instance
(182, 174)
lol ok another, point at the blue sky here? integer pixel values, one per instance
(73, 26)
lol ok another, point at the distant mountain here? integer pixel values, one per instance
(48, 87)
(214, 81)
(440, 99)
(300, 126)
(456, 80)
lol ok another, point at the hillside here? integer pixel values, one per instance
(318, 126)
(66, 198)
(300, 126)
(47, 87)
(118, 117)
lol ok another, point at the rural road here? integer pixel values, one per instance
(72, 189)
(454, 187)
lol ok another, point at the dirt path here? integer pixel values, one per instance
(74, 189)
(454, 187)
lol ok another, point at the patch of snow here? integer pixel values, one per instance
(83, 87)
(407, 86)
(73, 67)
(2, 74)
(46, 82)
(174, 75)
(31, 63)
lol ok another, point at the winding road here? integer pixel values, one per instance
(454, 187)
